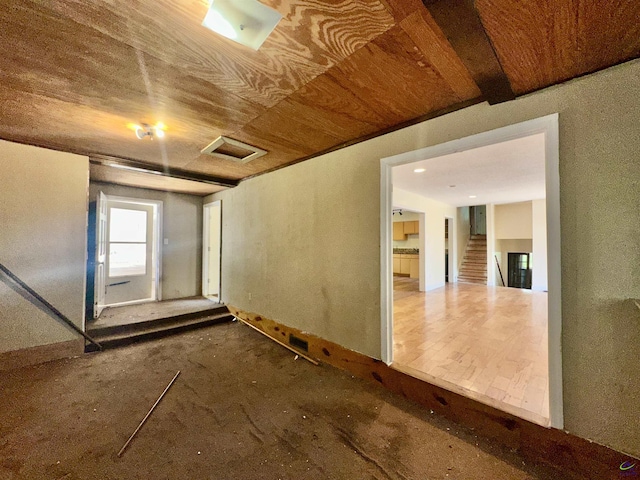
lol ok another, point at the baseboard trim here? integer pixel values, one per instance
(550, 446)
(44, 353)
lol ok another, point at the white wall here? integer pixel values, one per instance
(539, 226)
(463, 232)
(523, 221)
(432, 249)
(513, 220)
(43, 218)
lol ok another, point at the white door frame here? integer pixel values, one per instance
(547, 125)
(157, 246)
(205, 248)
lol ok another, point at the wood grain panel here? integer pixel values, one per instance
(394, 78)
(310, 38)
(101, 173)
(56, 57)
(543, 43)
(460, 22)
(426, 34)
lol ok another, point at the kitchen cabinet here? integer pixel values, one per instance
(406, 264)
(410, 228)
(398, 231)
(414, 270)
(396, 263)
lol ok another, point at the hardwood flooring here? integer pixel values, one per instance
(489, 343)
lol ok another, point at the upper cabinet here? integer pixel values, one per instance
(411, 227)
(398, 231)
(402, 229)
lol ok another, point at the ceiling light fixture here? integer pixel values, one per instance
(247, 22)
(472, 196)
(419, 170)
(145, 130)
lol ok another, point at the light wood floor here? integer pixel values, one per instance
(489, 343)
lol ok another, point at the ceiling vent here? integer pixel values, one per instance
(230, 149)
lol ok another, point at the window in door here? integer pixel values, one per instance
(127, 242)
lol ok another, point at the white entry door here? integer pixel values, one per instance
(128, 252)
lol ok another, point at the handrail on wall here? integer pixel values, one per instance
(53, 310)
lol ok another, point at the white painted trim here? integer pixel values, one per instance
(386, 262)
(205, 251)
(547, 125)
(157, 233)
(554, 271)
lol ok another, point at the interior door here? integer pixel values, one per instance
(101, 254)
(130, 266)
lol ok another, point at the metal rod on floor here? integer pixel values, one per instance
(148, 414)
(309, 359)
(57, 313)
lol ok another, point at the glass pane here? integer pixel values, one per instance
(127, 225)
(126, 259)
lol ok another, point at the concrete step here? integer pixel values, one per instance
(116, 336)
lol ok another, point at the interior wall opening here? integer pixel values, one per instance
(470, 334)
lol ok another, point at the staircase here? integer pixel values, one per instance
(119, 335)
(474, 263)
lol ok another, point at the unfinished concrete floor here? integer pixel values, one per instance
(242, 408)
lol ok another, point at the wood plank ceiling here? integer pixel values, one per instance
(74, 73)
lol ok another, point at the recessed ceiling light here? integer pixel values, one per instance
(452, 186)
(247, 22)
(419, 170)
(472, 196)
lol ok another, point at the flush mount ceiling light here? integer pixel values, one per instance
(248, 22)
(145, 130)
(419, 170)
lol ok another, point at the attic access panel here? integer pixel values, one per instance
(234, 150)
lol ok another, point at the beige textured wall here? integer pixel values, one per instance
(305, 241)
(182, 226)
(43, 215)
(513, 220)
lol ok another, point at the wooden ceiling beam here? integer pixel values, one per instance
(460, 22)
(143, 167)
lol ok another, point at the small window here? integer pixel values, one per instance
(127, 242)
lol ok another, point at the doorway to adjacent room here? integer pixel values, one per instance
(516, 365)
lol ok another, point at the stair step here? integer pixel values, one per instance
(472, 275)
(143, 331)
(140, 326)
(476, 267)
(472, 280)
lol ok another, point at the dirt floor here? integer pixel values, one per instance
(242, 408)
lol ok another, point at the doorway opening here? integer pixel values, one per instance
(212, 250)
(128, 253)
(474, 306)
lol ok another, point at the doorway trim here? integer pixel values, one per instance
(547, 125)
(157, 249)
(206, 240)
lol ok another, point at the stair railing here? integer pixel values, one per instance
(53, 311)
(499, 271)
